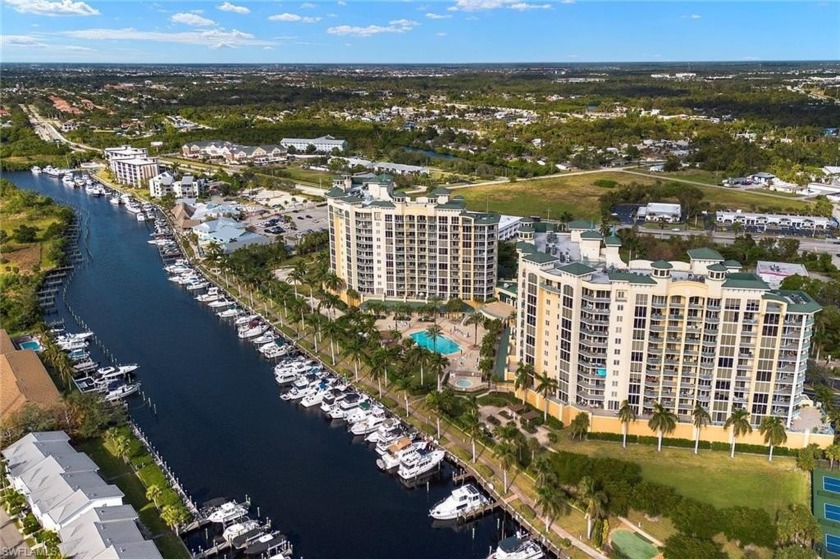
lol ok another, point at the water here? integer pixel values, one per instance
(440, 344)
(431, 153)
(220, 424)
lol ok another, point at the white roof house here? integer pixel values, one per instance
(228, 234)
(754, 219)
(106, 532)
(656, 211)
(324, 144)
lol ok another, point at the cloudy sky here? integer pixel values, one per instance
(352, 31)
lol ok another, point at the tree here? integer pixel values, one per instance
(739, 421)
(298, 275)
(153, 493)
(25, 234)
(471, 420)
(701, 419)
(833, 454)
(550, 503)
(579, 425)
(774, 433)
(507, 454)
(355, 347)
(379, 360)
(806, 458)
(681, 546)
(626, 414)
(593, 502)
(174, 516)
(434, 331)
(546, 386)
(796, 525)
(662, 421)
(475, 319)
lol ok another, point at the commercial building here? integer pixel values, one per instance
(67, 495)
(23, 379)
(753, 219)
(165, 184)
(384, 244)
(234, 153)
(774, 273)
(228, 234)
(132, 166)
(659, 212)
(324, 144)
(674, 333)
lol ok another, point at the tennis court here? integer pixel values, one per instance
(831, 484)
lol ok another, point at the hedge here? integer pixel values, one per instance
(499, 399)
(689, 443)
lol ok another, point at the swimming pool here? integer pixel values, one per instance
(441, 344)
(31, 344)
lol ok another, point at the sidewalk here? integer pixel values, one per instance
(11, 540)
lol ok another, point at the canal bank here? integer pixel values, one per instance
(220, 424)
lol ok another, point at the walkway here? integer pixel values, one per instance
(11, 540)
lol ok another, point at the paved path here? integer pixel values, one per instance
(638, 530)
(697, 183)
(11, 540)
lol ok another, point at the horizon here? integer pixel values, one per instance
(347, 32)
(698, 63)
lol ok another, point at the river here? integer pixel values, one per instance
(220, 424)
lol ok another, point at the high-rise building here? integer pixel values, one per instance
(674, 333)
(384, 244)
(132, 166)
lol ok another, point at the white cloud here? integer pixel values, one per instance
(76, 48)
(693, 16)
(431, 15)
(441, 34)
(482, 5)
(192, 19)
(52, 7)
(522, 6)
(213, 38)
(394, 26)
(342, 3)
(286, 16)
(24, 41)
(307, 6)
(268, 48)
(228, 7)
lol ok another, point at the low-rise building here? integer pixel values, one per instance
(165, 184)
(23, 379)
(228, 234)
(234, 153)
(774, 273)
(765, 221)
(509, 227)
(659, 212)
(67, 495)
(323, 144)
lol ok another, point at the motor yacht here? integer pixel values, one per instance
(402, 451)
(36, 170)
(227, 512)
(347, 404)
(266, 338)
(115, 200)
(428, 461)
(68, 181)
(274, 351)
(518, 546)
(246, 319)
(461, 502)
(220, 303)
(284, 376)
(119, 389)
(388, 438)
(239, 528)
(70, 345)
(229, 313)
(251, 330)
(386, 426)
(370, 424)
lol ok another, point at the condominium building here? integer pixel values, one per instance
(165, 184)
(323, 144)
(675, 333)
(132, 166)
(384, 244)
(762, 220)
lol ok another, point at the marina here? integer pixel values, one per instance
(209, 387)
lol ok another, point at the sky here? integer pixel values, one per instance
(415, 31)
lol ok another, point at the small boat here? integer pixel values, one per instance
(274, 351)
(115, 200)
(219, 303)
(461, 502)
(229, 313)
(251, 330)
(518, 546)
(370, 424)
(120, 389)
(70, 345)
(245, 319)
(133, 207)
(266, 338)
(35, 170)
(428, 461)
(141, 216)
(52, 172)
(226, 512)
(284, 376)
(78, 355)
(236, 530)
(67, 180)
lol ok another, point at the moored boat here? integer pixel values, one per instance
(518, 546)
(461, 502)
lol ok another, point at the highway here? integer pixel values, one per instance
(47, 132)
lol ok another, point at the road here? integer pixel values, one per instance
(544, 177)
(47, 132)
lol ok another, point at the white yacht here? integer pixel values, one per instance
(313, 398)
(227, 512)
(428, 461)
(133, 207)
(266, 338)
(388, 438)
(219, 303)
(274, 351)
(36, 170)
(120, 389)
(71, 345)
(245, 319)
(461, 502)
(345, 406)
(403, 451)
(384, 428)
(141, 216)
(67, 180)
(229, 313)
(518, 546)
(368, 425)
(115, 200)
(284, 376)
(236, 530)
(251, 329)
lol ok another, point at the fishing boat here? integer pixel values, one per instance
(428, 461)
(461, 502)
(227, 512)
(518, 546)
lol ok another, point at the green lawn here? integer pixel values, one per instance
(577, 194)
(632, 545)
(315, 178)
(711, 476)
(115, 471)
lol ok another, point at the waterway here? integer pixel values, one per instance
(220, 424)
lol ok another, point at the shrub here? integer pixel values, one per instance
(748, 526)
(696, 519)
(553, 437)
(554, 423)
(30, 524)
(655, 499)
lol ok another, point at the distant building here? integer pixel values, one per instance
(509, 227)
(763, 179)
(165, 184)
(659, 212)
(384, 166)
(774, 273)
(324, 144)
(234, 153)
(228, 234)
(752, 219)
(23, 379)
(67, 495)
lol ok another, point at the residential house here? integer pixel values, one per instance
(227, 234)
(23, 379)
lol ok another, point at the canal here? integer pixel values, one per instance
(220, 424)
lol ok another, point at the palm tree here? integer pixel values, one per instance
(153, 493)
(434, 331)
(579, 425)
(594, 503)
(662, 421)
(543, 467)
(524, 378)
(434, 304)
(355, 347)
(701, 419)
(378, 367)
(507, 454)
(332, 283)
(476, 319)
(549, 501)
(471, 420)
(298, 275)
(774, 433)
(833, 454)
(439, 364)
(739, 421)
(332, 330)
(546, 386)
(626, 414)
(352, 296)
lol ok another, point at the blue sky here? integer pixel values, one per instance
(413, 31)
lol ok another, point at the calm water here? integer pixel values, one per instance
(441, 344)
(220, 424)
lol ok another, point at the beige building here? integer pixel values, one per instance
(132, 166)
(384, 244)
(675, 333)
(23, 379)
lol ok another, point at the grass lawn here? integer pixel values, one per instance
(632, 545)
(577, 194)
(115, 471)
(711, 476)
(309, 176)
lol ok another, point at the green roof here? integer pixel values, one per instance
(577, 269)
(591, 235)
(452, 205)
(335, 192)
(480, 218)
(797, 301)
(539, 257)
(440, 192)
(580, 224)
(661, 265)
(526, 228)
(382, 204)
(612, 241)
(525, 247)
(732, 264)
(704, 254)
(744, 280)
(717, 268)
(631, 277)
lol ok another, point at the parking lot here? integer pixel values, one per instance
(292, 224)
